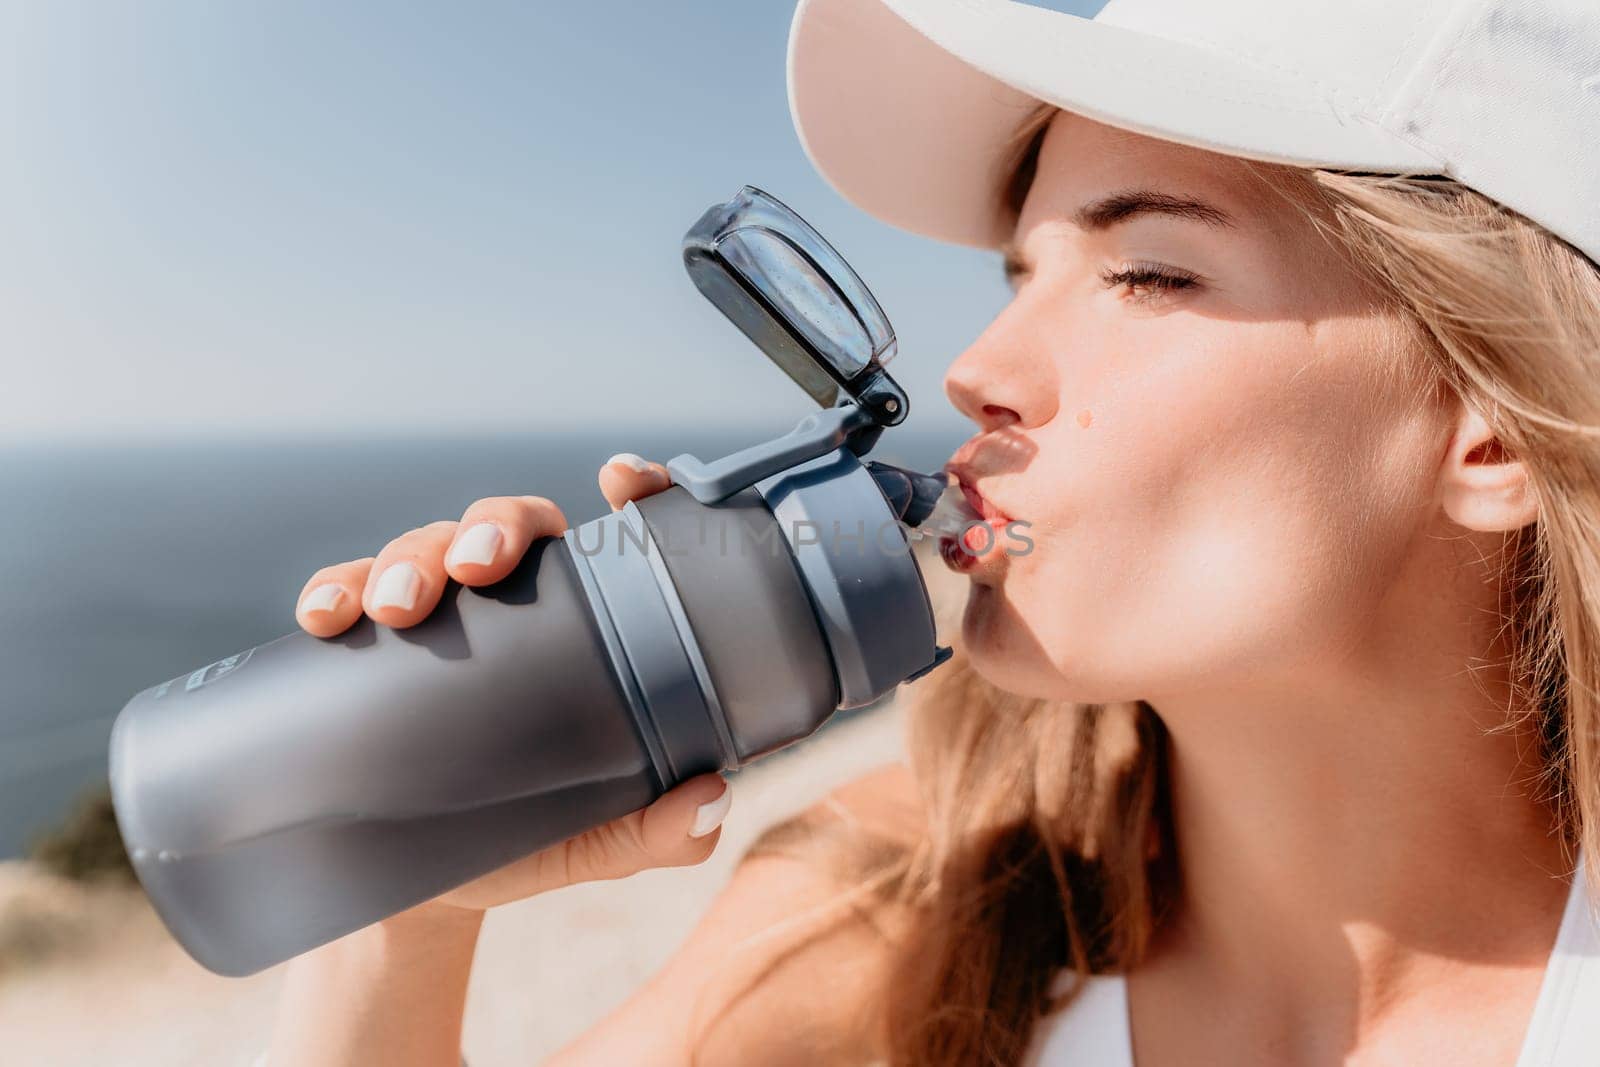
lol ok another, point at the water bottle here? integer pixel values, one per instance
(302, 789)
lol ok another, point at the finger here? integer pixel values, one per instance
(330, 602)
(408, 576)
(495, 532)
(626, 477)
(681, 828)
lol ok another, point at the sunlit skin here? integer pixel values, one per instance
(1250, 506)
(1256, 471)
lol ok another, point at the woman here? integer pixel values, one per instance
(1280, 746)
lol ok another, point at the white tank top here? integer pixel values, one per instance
(1563, 1032)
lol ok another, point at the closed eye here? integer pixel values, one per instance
(1146, 282)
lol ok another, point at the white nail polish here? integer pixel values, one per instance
(478, 545)
(709, 816)
(397, 587)
(638, 464)
(324, 597)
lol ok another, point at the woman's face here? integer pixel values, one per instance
(1224, 450)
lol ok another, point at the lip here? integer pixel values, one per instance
(986, 508)
(955, 556)
(977, 550)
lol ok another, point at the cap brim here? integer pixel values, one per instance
(908, 107)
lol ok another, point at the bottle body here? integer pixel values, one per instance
(308, 787)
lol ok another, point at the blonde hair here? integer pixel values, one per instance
(1046, 846)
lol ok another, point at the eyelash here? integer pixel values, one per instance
(1160, 280)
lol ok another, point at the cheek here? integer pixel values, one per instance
(1235, 502)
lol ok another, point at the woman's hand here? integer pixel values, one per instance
(394, 992)
(402, 584)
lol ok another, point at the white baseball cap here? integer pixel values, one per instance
(906, 106)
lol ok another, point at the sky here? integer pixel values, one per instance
(259, 218)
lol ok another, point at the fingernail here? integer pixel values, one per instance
(709, 816)
(324, 597)
(637, 464)
(397, 587)
(478, 545)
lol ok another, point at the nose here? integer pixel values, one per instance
(1006, 376)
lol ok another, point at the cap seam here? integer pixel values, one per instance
(1405, 46)
(1449, 29)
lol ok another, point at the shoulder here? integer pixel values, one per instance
(784, 967)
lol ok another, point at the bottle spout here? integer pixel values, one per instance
(950, 516)
(928, 503)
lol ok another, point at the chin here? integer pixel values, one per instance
(1004, 653)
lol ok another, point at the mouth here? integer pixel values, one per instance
(980, 545)
(985, 507)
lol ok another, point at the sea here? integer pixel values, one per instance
(126, 564)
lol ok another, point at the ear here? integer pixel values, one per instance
(1483, 486)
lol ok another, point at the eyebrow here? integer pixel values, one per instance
(1108, 211)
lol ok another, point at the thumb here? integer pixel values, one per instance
(680, 828)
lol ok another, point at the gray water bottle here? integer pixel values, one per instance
(297, 791)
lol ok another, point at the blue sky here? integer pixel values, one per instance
(292, 217)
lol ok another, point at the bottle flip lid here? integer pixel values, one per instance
(791, 293)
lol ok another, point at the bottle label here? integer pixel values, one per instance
(207, 674)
